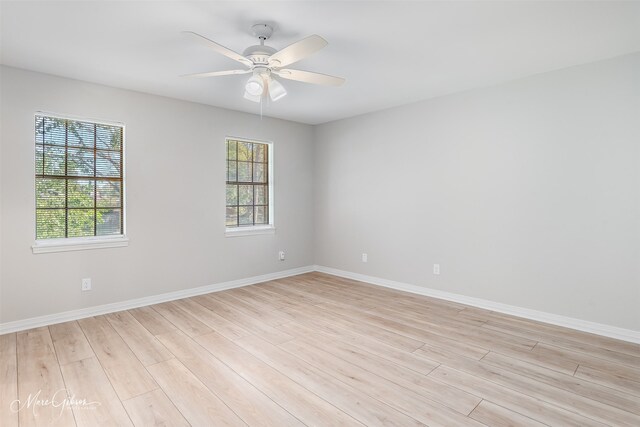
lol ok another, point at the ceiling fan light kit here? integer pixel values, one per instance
(255, 85)
(264, 62)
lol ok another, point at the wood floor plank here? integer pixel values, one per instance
(306, 406)
(569, 383)
(613, 380)
(124, 370)
(391, 338)
(412, 361)
(70, 343)
(39, 378)
(183, 320)
(152, 320)
(417, 334)
(273, 298)
(269, 317)
(482, 337)
(521, 403)
(94, 402)
(547, 338)
(250, 323)
(558, 364)
(8, 380)
(495, 415)
(143, 344)
(351, 400)
(542, 391)
(557, 353)
(451, 397)
(242, 397)
(246, 295)
(154, 409)
(566, 333)
(198, 405)
(403, 399)
(213, 320)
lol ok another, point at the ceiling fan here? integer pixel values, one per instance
(264, 63)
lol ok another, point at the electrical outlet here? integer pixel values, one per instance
(281, 255)
(86, 284)
(436, 269)
(365, 258)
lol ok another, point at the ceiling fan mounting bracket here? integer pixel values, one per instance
(262, 31)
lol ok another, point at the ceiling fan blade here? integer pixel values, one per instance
(297, 51)
(221, 49)
(309, 77)
(217, 73)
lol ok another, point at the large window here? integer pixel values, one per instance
(79, 179)
(248, 184)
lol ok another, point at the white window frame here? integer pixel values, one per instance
(255, 229)
(41, 246)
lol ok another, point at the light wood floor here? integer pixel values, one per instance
(316, 350)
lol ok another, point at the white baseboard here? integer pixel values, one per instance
(51, 319)
(541, 316)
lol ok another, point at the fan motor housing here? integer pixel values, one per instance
(259, 54)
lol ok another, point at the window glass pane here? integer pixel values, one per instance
(261, 215)
(231, 150)
(244, 151)
(50, 193)
(49, 223)
(246, 215)
(109, 221)
(53, 160)
(109, 194)
(232, 194)
(247, 163)
(259, 153)
(261, 192)
(54, 131)
(80, 222)
(244, 172)
(80, 193)
(232, 216)
(79, 162)
(39, 159)
(108, 137)
(80, 134)
(245, 194)
(232, 171)
(66, 207)
(108, 163)
(259, 174)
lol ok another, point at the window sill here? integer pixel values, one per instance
(249, 231)
(79, 244)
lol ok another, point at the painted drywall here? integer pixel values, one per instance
(527, 193)
(175, 198)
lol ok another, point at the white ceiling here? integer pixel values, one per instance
(391, 53)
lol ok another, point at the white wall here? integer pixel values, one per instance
(527, 193)
(175, 198)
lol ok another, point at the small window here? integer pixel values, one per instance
(248, 184)
(79, 179)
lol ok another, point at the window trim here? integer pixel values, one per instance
(262, 228)
(40, 246)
